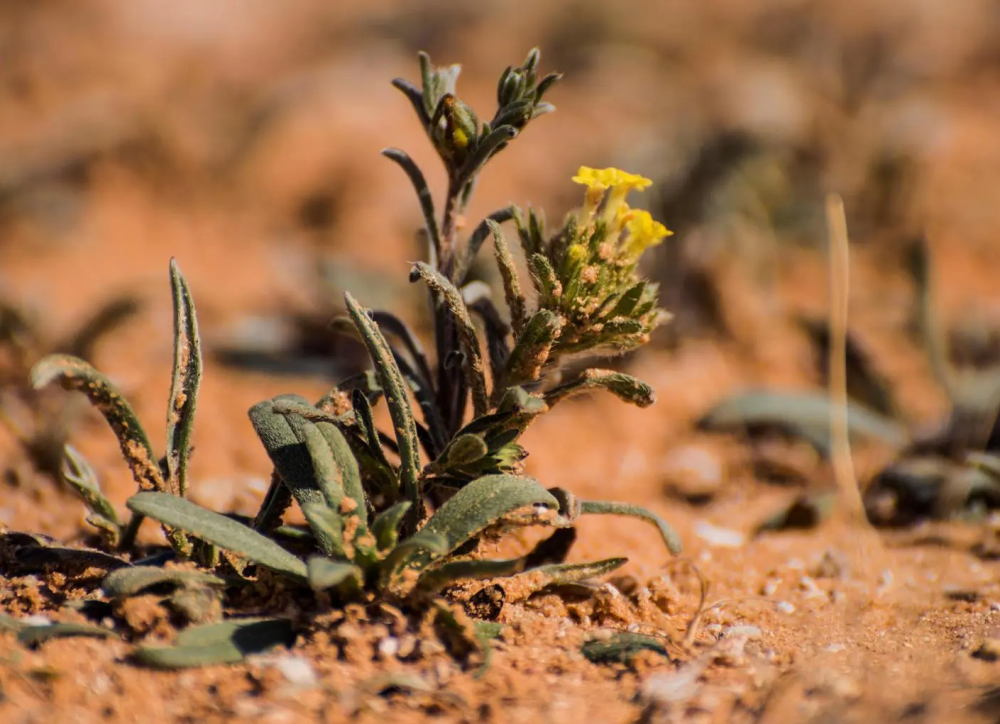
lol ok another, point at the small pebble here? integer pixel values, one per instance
(719, 537)
(785, 607)
(298, 670)
(750, 632)
(388, 647)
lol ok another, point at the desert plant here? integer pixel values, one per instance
(384, 521)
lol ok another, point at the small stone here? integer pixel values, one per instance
(770, 586)
(297, 670)
(749, 632)
(388, 647)
(784, 607)
(719, 537)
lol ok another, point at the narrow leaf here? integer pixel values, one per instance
(130, 581)
(185, 382)
(476, 239)
(327, 573)
(484, 502)
(106, 319)
(81, 477)
(805, 415)
(508, 272)
(544, 278)
(448, 295)
(217, 529)
(229, 642)
(385, 527)
(625, 387)
(395, 391)
(532, 350)
(435, 579)
(34, 635)
(75, 374)
(523, 585)
(669, 535)
(416, 177)
(622, 647)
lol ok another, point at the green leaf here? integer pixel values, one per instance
(531, 351)
(217, 529)
(395, 392)
(806, 415)
(81, 477)
(327, 573)
(385, 527)
(523, 585)
(448, 295)
(669, 535)
(546, 282)
(625, 387)
(423, 196)
(34, 635)
(184, 384)
(508, 272)
(439, 577)
(622, 647)
(484, 502)
(283, 437)
(131, 581)
(75, 374)
(229, 642)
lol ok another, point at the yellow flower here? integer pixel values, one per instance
(599, 180)
(643, 232)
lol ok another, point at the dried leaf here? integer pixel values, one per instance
(185, 383)
(218, 530)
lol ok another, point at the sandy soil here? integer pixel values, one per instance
(243, 139)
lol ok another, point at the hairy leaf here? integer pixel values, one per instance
(511, 284)
(622, 647)
(131, 581)
(423, 196)
(531, 351)
(385, 527)
(184, 384)
(395, 391)
(439, 577)
(217, 529)
(34, 635)
(669, 535)
(448, 295)
(228, 642)
(75, 374)
(81, 477)
(625, 387)
(327, 573)
(523, 585)
(484, 502)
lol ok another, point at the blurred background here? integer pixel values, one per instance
(243, 138)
